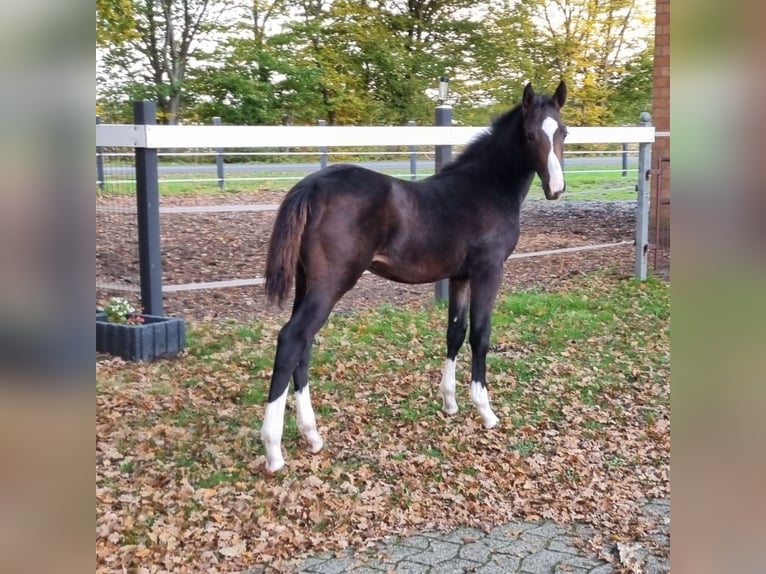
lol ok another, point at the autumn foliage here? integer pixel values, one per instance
(579, 377)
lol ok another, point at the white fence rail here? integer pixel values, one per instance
(164, 137)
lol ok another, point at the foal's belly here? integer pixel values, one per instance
(408, 272)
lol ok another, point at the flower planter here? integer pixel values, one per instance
(154, 338)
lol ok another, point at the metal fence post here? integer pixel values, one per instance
(643, 190)
(99, 162)
(413, 157)
(148, 204)
(219, 157)
(322, 149)
(442, 156)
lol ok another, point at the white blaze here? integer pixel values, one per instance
(271, 433)
(480, 399)
(556, 174)
(306, 420)
(447, 386)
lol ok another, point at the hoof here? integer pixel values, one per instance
(274, 459)
(275, 466)
(491, 422)
(449, 410)
(316, 445)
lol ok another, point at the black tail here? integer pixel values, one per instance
(285, 244)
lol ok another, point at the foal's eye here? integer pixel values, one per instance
(531, 136)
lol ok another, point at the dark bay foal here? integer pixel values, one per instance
(461, 223)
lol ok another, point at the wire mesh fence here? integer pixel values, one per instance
(117, 264)
(217, 208)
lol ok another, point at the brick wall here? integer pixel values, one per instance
(661, 113)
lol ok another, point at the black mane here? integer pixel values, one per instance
(499, 150)
(496, 155)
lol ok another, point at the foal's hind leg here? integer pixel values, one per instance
(456, 329)
(293, 348)
(484, 287)
(313, 306)
(303, 409)
(304, 412)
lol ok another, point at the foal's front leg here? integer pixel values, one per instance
(484, 287)
(456, 328)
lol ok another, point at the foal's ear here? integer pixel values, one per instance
(527, 98)
(560, 95)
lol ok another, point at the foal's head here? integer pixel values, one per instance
(544, 137)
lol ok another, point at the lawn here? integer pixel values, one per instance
(587, 183)
(579, 377)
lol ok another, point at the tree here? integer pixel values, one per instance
(585, 42)
(114, 22)
(631, 93)
(159, 48)
(370, 61)
(375, 58)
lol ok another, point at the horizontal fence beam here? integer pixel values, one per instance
(182, 209)
(254, 281)
(161, 137)
(119, 135)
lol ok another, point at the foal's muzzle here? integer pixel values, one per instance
(554, 194)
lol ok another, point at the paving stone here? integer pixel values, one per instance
(314, 560)
(335, 566)
(397, 552)
(657, 510)
(583, 562)
(456, 566)
(418, 541)
(548, 529)
(438, 552)
(563, 544)
(582, 531)
(523, 547)
(500, 565)
(658, 502)
(506, 531)
(603, 569)
(406, 567)
(376, 566)
(542, 562)
(477, 551)
(655, 566)
(520, 547)
(461, 534)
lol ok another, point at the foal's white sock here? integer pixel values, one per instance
(306, 419)
(447, 386)
(480, 399)
(271, 432)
